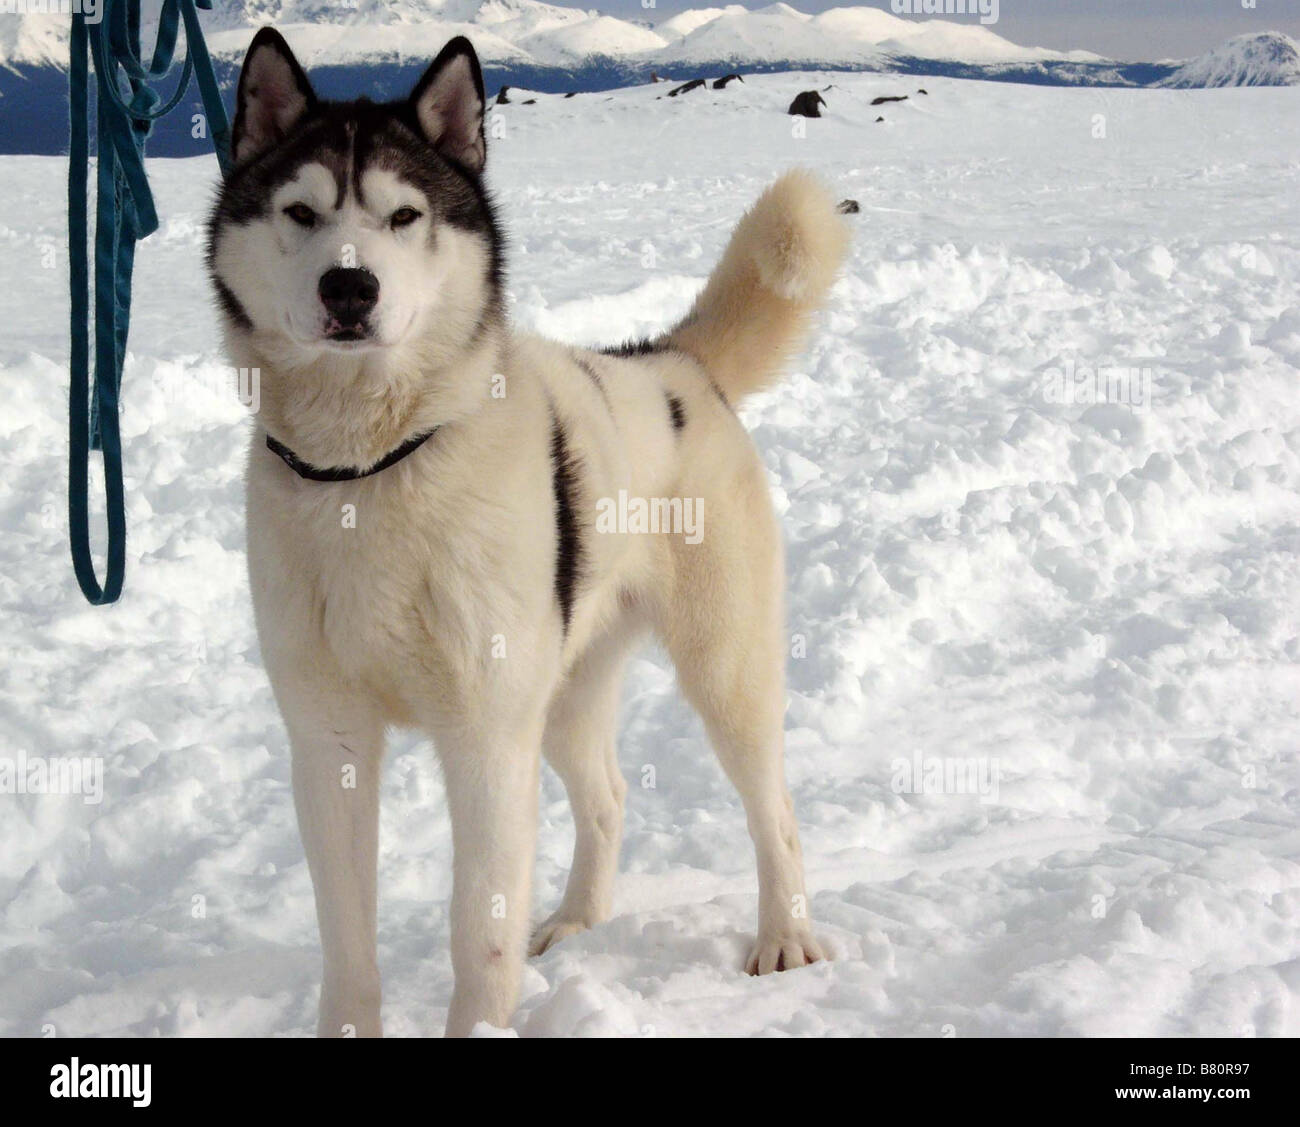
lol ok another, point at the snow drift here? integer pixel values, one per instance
(1044, 624)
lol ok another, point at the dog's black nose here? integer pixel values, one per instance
(349, 294)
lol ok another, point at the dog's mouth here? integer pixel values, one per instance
(335, 335)
(338, 332)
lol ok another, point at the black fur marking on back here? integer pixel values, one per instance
(677, 409)
(658, 346)
(595, 378)
(568, 540)
(643, 347)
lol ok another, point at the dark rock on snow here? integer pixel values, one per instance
(806, 104)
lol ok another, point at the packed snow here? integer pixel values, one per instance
(1045, 623)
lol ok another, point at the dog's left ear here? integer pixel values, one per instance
(448, 103)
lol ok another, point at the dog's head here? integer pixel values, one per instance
(355, 227)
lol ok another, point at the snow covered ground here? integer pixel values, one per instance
(1098, 604)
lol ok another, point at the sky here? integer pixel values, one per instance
(1122, 29)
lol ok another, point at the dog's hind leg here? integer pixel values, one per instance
(337, 752)
(723, 625)
(580, 744)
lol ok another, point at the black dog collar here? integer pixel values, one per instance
(344, 473)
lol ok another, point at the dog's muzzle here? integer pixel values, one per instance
(349, 295)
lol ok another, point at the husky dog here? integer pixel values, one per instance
(423, 493)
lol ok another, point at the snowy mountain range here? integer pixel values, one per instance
(377, 47)
(535, 34)
(330, 33)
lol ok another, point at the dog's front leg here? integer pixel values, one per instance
(337, 752)
(492, 792)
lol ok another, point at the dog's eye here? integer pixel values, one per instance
(301, 214)
(403, 217)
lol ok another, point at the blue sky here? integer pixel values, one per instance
(1122, 29)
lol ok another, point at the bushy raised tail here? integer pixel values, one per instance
(780, 263)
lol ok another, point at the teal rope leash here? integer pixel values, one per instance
(124, 214)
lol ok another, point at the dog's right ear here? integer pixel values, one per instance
(273, 96)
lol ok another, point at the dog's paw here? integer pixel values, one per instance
(784, 952)
(554, 930)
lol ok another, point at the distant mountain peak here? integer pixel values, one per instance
(1262, 58)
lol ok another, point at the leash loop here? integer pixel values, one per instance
(124, 214)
